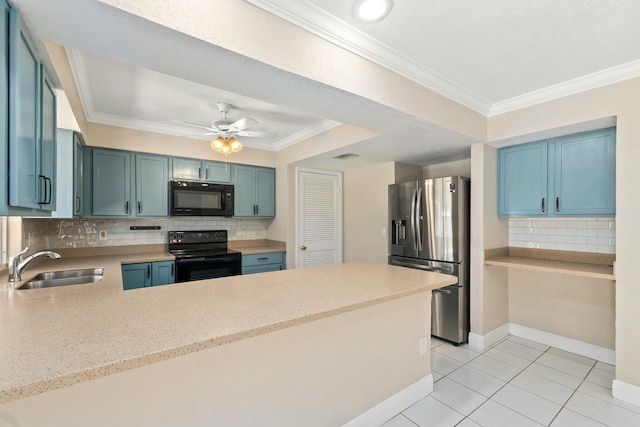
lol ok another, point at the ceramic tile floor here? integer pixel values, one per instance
(517, 383)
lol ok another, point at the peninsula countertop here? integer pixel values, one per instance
(56, 337)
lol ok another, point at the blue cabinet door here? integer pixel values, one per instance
(522, 180)
(48, 131)
(24, 117)
(136, 276)
(78, 173)
(111, 183)
(265, 192)
(188, 169)
(217, 172)
(163, 273)
(152, 188)
(585, 174)
(244, 181)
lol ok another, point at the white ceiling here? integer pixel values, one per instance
(492, 56)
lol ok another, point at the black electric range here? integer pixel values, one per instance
(203, 255)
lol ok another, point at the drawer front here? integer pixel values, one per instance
(261, 268)
(260, 259)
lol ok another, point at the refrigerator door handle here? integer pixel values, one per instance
(441, 291)
(423, 267)
(418, 221)
(414, 196)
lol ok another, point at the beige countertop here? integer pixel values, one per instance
(259, 246)
(583, 264)
(56, 337)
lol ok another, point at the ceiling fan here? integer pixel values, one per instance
(227, 131)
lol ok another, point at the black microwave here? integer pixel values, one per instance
(189, 198)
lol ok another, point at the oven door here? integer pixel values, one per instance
(208, 267)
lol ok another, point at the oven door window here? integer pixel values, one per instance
(202, 268)
(190, 199)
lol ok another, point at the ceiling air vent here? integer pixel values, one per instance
(346, 156)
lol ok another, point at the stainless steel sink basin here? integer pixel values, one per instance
(51, 279)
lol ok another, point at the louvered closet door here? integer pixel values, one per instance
(319, 218)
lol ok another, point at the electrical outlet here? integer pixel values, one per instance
(423, 346)
(103, 234)
(238, 231)
(383, 232)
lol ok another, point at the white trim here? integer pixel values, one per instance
(482, 342)
(317, 21)
(307, 133)
(395, 404)
(563, 343)
(571, 87)
(626, 392)
(79, 72)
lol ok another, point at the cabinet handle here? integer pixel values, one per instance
(139, 207)
(557, 204)
(263, 259)
(173, 273)
(78, 204)
(543, 205)
(199, 173)
(44, 183)
(257, 209)
(126, 207)
(206, 173)
(148, 271)
(50, 186)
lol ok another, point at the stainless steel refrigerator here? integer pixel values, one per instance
(429, 230)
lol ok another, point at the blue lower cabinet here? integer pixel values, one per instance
(260, 263)
(163, 273)
(145, 274)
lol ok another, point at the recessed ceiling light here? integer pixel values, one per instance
(371, 10)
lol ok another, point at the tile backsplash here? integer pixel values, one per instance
(566, 234)
(76, 233)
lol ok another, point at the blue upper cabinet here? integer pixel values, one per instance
(48, 133)
(254, 191)
(197, 170)
(24, 117)
(585, 174)
(111, 183)
(572, 175)
(28, 151)
(522, 171)
(152, 177)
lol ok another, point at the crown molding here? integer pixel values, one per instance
(79, 72)
(315, 20)
(571, 87)
(309, 132)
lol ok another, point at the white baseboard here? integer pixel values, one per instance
(395, 404)
(626, 392)
(602, 354)
(482, 342)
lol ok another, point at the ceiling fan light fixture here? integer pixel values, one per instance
(371, 10)
(226, 146)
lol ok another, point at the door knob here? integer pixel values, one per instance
(303, 247)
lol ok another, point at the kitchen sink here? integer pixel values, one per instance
(51, 279)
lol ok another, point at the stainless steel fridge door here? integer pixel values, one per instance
(402, 219)
(443, 219)
(450, 304)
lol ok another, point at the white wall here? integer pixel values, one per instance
(454, 168)
(366, 211)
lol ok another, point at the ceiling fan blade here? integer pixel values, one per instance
(197, 125)
(243, 123)
(255, 134)
(199, 134)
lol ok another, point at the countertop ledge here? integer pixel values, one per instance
(56, 337)
(585, 264)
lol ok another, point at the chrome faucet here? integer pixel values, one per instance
(17, 265)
